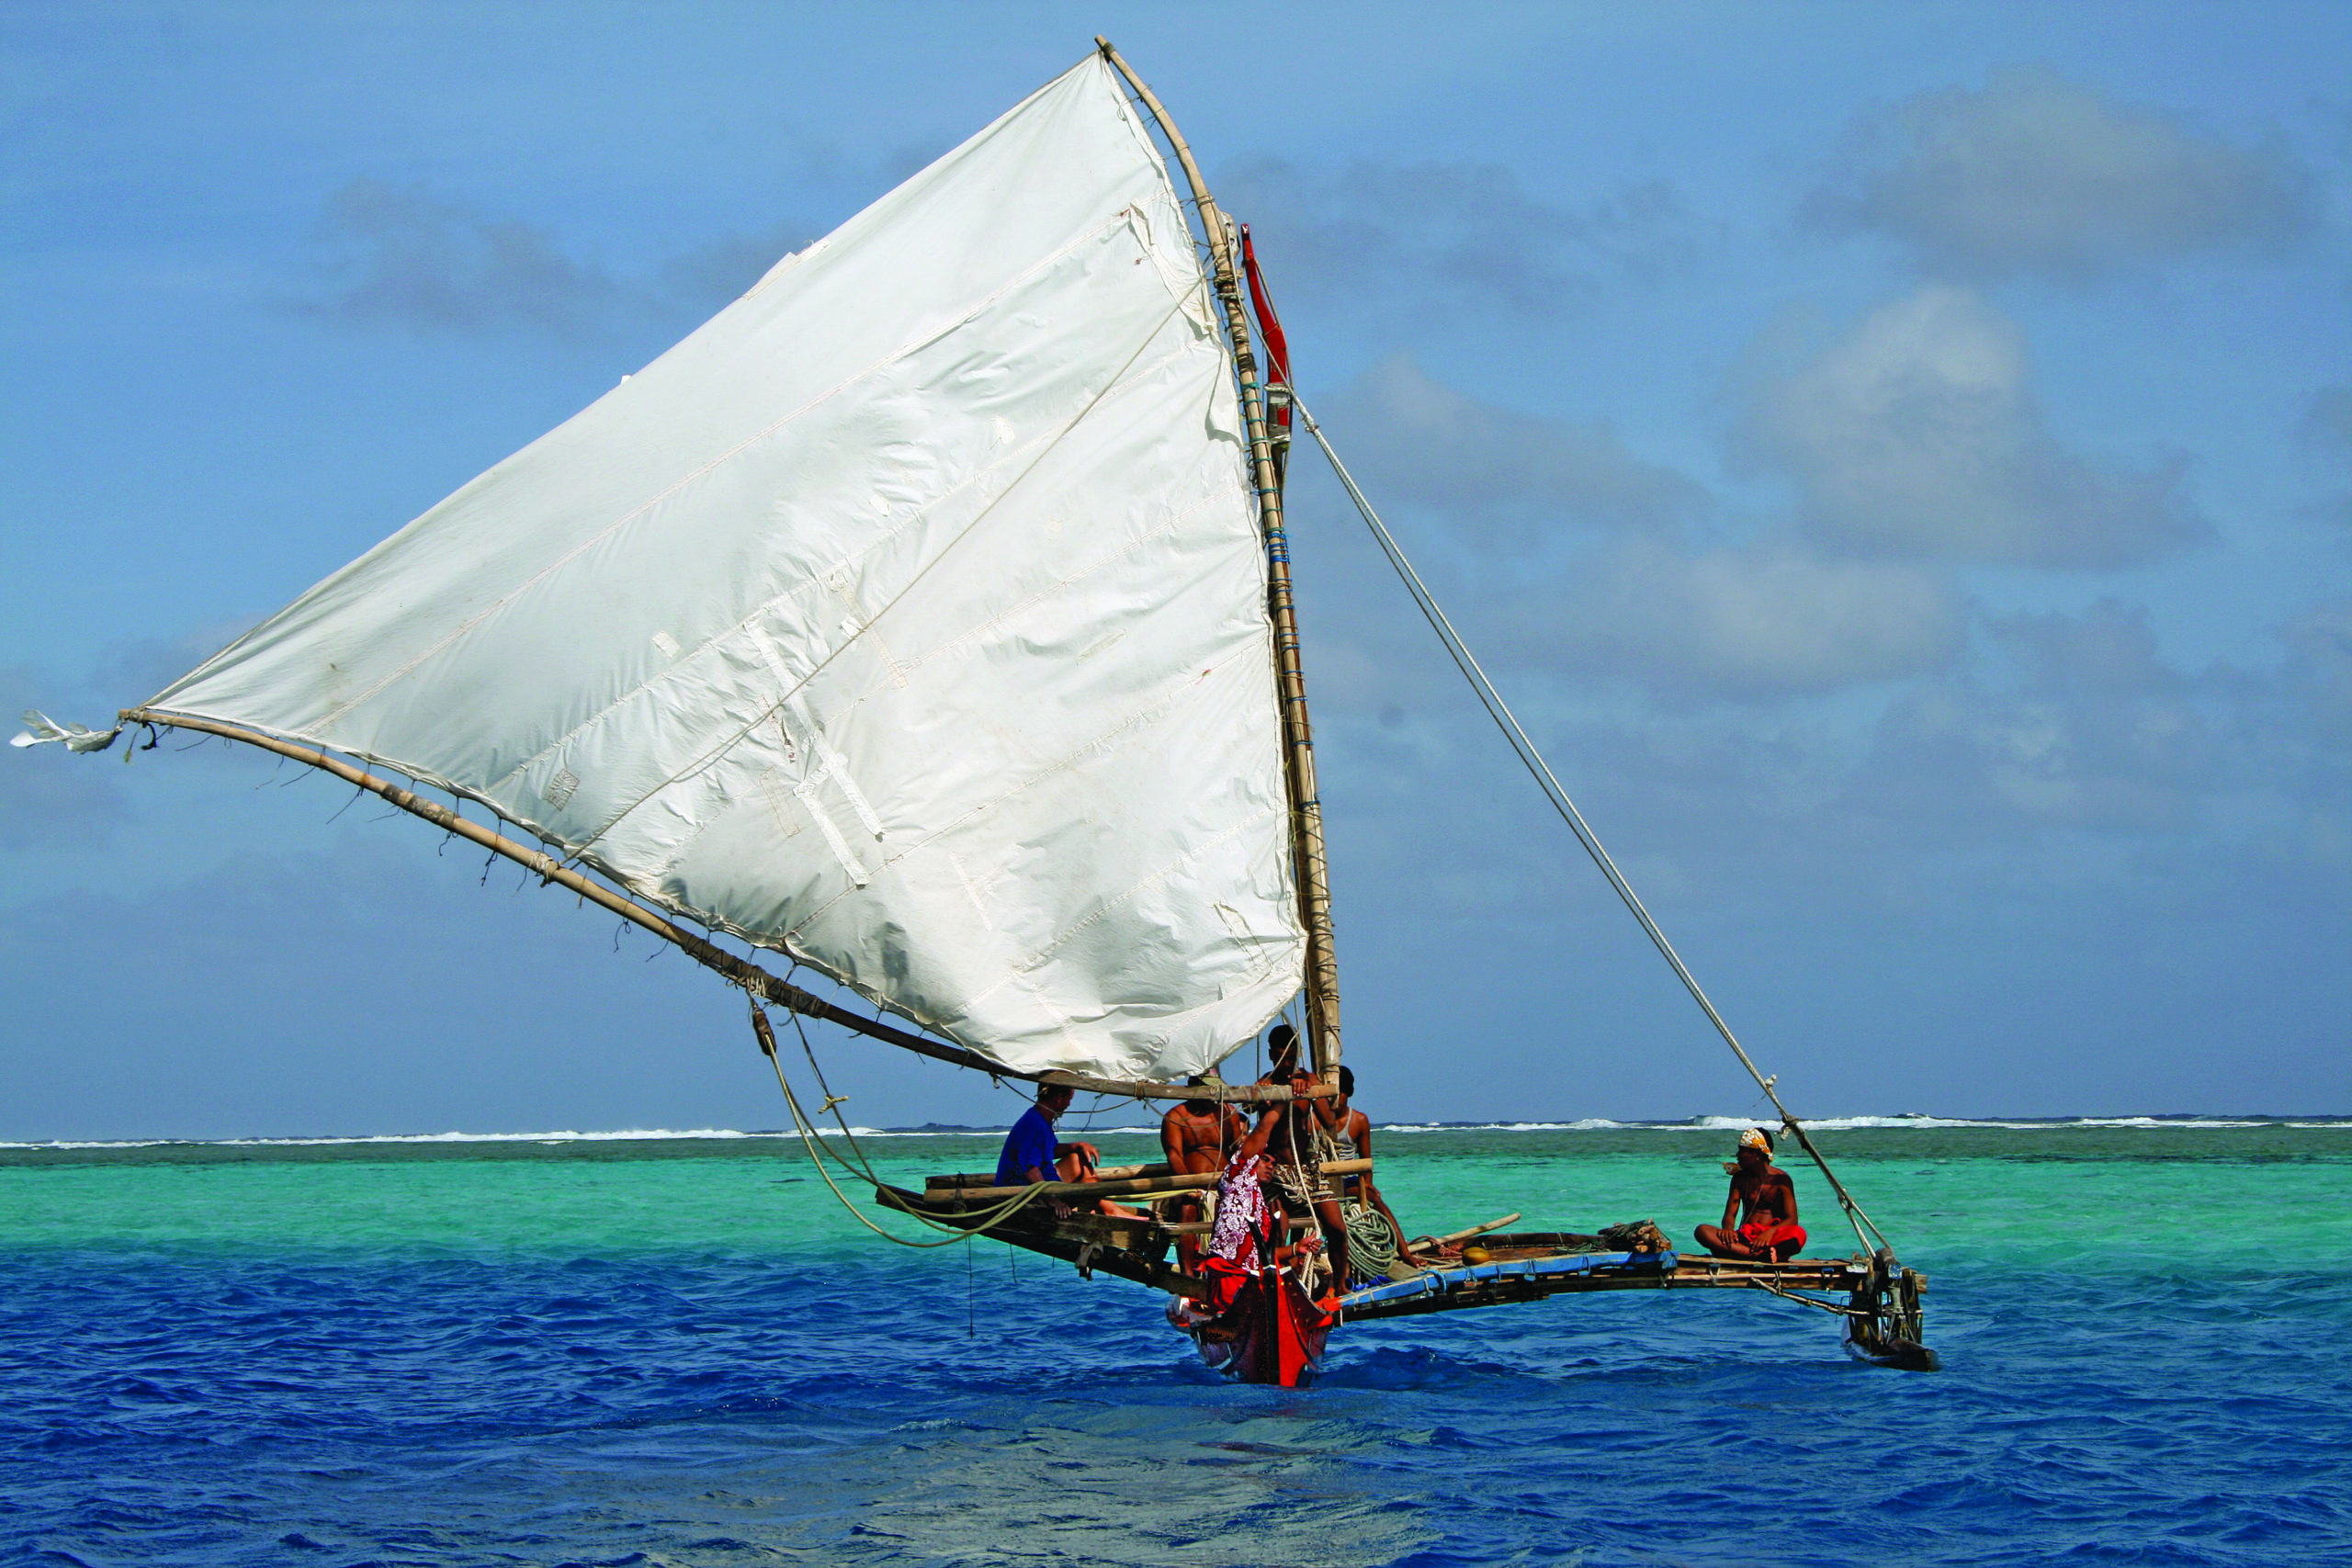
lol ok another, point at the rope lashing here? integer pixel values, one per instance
(1520, 742)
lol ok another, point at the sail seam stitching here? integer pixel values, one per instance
(1061, 585)
(711, 757)
(1182, 297)
(1062, 939)
(749, 626)
(1134, 717)
(1103, 911)
(711, 465)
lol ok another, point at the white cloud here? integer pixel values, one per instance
(1592, 565)
(403, 256)
(1462, 233)
(2050, 752)
(2036, 175)
(2072, 722)
(1919, 435)
(2077, 723)
(1746, 622)
(1502, 478)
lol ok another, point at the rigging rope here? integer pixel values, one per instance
(1520, 742)
(812, 1140)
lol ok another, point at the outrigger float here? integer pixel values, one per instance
(925, 617)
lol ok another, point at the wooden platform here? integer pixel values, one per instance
(1529, 1268)
(1877, 1299)
(1129, 1249)
(1526, 1266)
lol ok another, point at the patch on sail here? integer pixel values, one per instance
(830, 765)
(559, 790)
(806, 793)
(971, 890)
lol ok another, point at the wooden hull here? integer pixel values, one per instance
(1271, 1335)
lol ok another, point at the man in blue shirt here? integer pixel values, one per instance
(1033, 1153)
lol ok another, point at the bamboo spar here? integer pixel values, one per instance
(1306, 808)
(1126, 1187)
(741, 972)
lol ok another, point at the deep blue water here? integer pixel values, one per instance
(369, 1394)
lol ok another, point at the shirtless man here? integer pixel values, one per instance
(1282, 1051)
(1352, 1129)
(1297, 1144)
(1764, 1201)
(1195, 1136)
(1307, 1137)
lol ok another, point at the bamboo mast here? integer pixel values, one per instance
(1311, 870)
(710, 955)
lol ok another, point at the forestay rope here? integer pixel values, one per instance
(1520, 742)
(812, 1139)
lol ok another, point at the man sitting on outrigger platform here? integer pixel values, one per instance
(1765, 1201)
(1033, 1153)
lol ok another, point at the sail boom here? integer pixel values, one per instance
(750, 975)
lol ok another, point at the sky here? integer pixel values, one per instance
(1897, 460)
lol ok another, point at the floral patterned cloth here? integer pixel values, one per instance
(1242, 1212)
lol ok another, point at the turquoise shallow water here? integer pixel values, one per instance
(681, 1351)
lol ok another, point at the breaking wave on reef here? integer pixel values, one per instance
(1919, 1122)
(1854, 1123)
(625, 1134)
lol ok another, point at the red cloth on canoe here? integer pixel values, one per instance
(1225, 1278)
(1762, 1234)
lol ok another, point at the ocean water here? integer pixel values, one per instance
(682, 1350)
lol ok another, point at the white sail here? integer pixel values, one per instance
(908, 617)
